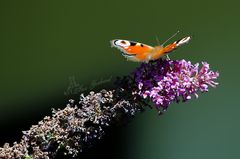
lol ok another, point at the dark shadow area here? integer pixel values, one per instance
(11, 130)
(109, 147)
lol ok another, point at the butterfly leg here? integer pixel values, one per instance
(167, 57)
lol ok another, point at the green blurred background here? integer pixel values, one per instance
(44, 43)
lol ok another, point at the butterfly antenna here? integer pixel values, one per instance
(171, 37)
(157, 39)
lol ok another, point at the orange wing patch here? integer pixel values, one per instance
(138, 49)
(160, 51)
(133, 51)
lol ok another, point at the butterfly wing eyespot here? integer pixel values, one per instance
(183, 41)
(131, 47)
(121, 43)
(176, 44)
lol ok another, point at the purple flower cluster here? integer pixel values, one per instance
(166, 81)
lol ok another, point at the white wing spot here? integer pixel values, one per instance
(183, 41)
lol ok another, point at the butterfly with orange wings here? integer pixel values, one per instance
(139, 52)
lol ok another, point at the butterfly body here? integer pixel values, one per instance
(139, 52)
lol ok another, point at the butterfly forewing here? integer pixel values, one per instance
(131, 48)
